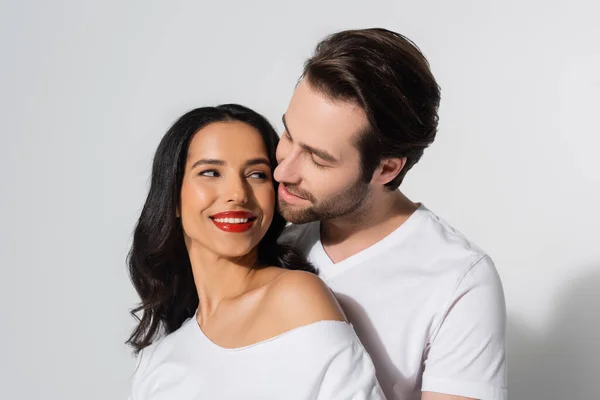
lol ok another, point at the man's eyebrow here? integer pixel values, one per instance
(209, 161)
(318, 152)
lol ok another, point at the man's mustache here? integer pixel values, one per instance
(296, 191)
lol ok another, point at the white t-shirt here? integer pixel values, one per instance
(323, 360)
(427, 304)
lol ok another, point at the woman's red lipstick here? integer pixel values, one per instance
(233, 221)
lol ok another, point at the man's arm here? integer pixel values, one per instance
(466, 355)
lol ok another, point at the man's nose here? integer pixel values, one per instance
(287, 171)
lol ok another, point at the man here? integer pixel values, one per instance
(427, 304)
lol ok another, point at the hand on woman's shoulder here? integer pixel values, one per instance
(298, 298)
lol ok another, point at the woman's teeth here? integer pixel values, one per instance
(231, 220)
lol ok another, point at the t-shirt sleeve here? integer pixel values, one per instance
(350, 376)
(466, 356)
(134, 390)
(142, 361)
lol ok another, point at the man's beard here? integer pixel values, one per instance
(342, 204)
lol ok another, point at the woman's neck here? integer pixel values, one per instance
(219, 278)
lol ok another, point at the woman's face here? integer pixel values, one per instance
(227, 195)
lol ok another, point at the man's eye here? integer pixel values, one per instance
(316, 164)
(211, 173)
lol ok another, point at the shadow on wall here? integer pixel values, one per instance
(563, 361)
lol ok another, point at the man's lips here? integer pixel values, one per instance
(288, 196)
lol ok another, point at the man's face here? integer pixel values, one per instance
(319, 166)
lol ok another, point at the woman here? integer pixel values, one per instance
(227, 312)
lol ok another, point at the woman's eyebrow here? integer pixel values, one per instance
(257, 161)
(209, 161)
(249, 163)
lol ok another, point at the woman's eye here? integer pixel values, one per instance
(210, 173)
(258, 175)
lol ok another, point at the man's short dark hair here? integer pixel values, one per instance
(389, 78)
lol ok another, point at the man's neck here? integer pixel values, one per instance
(381, 215)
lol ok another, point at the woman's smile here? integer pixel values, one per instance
(234, 221)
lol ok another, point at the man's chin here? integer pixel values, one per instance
(295, 214)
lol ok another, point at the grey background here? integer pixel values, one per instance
(88, 88)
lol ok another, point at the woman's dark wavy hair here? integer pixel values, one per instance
(158, 261)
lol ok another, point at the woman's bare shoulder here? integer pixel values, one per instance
(297, 298)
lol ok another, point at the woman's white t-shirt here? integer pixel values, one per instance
(322, 360)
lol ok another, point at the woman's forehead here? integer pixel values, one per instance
(227, 140)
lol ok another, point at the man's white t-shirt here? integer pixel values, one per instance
(427, 304)
(321, 361)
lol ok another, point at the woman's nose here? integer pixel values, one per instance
(237, 192)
